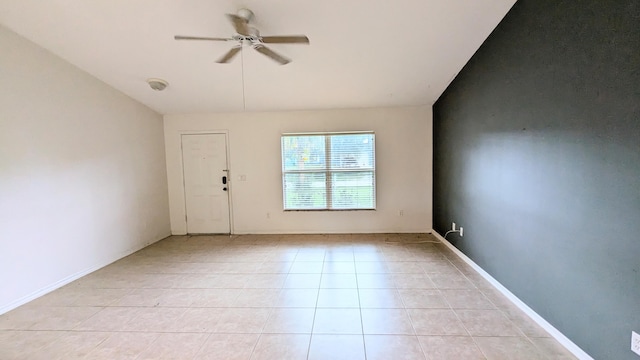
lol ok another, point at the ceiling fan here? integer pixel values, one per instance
(250, 36)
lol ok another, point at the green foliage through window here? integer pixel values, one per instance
(328, 171)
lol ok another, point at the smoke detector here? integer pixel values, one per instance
(157, 84)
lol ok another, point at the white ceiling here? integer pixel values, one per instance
(363, 53)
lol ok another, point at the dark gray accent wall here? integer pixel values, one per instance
(537, 156)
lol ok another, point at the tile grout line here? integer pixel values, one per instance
(315, 309)
(364, 345)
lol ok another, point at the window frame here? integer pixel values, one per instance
(328, 171)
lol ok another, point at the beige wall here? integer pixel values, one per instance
(82, 173)
(403, 164)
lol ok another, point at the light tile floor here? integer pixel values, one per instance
(365, 296)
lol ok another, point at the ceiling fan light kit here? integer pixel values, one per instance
(247, 35)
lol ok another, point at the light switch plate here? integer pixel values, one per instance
(635, 342)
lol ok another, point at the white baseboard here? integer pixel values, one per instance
(302, 232)
(555, 333)
(336, 232)
(62, 282)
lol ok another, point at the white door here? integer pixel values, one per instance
(204, 161)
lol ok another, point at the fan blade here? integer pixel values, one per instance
(241, 25)
(289, 39)
(229, 55)
(272, 54)
(180, 37)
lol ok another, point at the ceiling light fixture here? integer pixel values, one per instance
(157, 84)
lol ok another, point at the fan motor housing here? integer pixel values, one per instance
(246, 14)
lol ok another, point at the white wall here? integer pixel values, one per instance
(82, 173)
(403, 165)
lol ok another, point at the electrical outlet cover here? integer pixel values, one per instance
(635, 342)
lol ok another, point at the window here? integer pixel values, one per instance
(334, 171)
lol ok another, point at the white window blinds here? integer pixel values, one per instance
(328, 171)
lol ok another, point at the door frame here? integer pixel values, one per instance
(229, 177)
